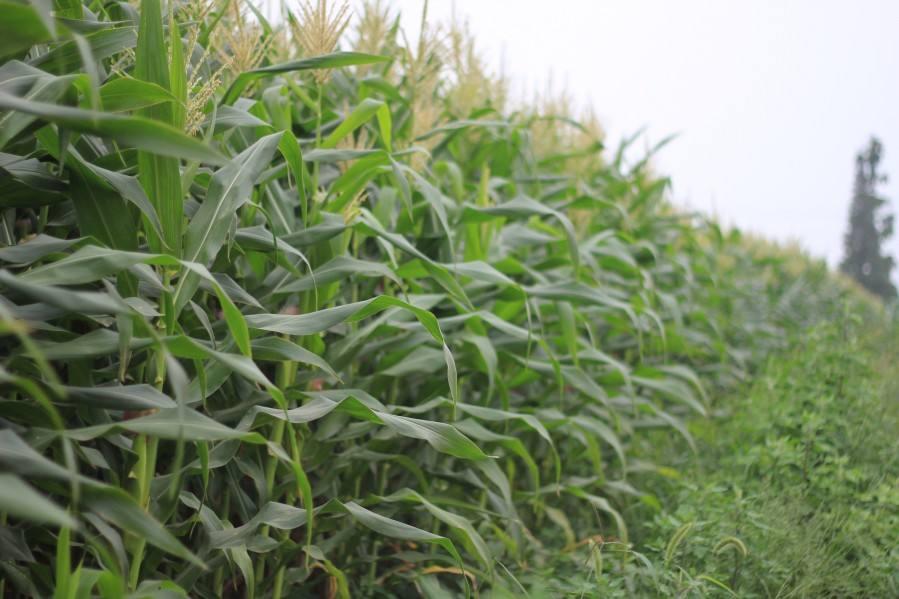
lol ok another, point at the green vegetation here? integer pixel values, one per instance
(281, 320)
(795, 491)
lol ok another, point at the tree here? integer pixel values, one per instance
(863, 257)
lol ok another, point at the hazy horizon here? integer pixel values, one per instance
(771, 101)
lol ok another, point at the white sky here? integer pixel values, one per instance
(772, 98)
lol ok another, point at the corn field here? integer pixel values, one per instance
(308, 309)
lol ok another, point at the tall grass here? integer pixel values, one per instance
(284, 320)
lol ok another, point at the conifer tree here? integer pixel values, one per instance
(863, 256)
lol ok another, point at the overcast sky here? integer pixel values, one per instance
(771, 98)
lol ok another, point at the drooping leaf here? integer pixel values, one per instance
(150, 136)
(20, 500)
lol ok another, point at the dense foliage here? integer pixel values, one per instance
(285, 321)
(795, 493)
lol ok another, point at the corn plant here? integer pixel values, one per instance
(281, 319)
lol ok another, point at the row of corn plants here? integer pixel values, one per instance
(280, 319)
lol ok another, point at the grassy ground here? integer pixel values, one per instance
(795, 493)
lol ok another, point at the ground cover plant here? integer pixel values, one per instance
(283, 318)
(794, 492)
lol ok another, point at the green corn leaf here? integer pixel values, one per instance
(115, 506)
(177, 75)
(229, 189)
(168, 423)
(36, 248)
(97, 208)
(20, 500)
(160, 174)
(68, 56)
(230, 117)
(322, 320)
(85, 302)
(20, 28)
(92, 263)
(121, 397)
(526, 207)
(398, 530)
(367, 109)
(102, 214)
(276, 349)
(336, 269)
(443, 437)
(151, 136)
(477, 432)
(462, 525)
(28, 182)
(327, 61)
(23, 82)
(276, 515)
(124, 94)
